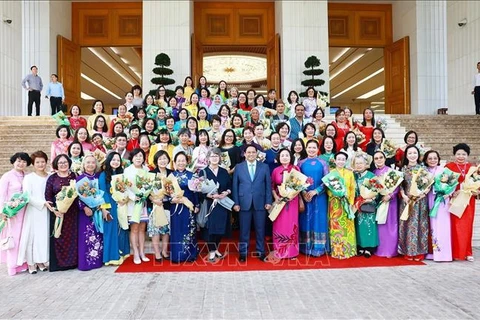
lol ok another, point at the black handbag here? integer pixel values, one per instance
(368, 208)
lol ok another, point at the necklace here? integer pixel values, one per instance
(462, 171)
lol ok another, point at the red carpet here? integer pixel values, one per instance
(231, 263)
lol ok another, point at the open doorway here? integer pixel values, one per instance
(107, 73)
(243, 68)
(357, 78)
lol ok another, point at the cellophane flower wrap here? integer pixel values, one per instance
(141, 187)
(336, 184)
(92, 197)
(17, 202)
(388, 148)
(119, 189)
(470, 185)
(444, 184)
(76, 166)
(63, 202)
(171, 189)
(382, 123)
(61, 119)
(100, 156)
(421, 182)
(390, 181)
(293, 183)
(152, 111)
(359, 135)
(109, 143)
(159, 214)
(369, 190)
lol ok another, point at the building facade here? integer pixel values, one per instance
(444, 47)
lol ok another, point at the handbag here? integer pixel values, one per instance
(8, 242)
(301, 204)
(368, 208)
(202, 214)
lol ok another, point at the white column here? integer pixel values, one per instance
(11, 91)
(167, 29)
(463, 54)
(425, 22)
(431, 56)
(303, 29)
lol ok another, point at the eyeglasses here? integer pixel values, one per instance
(378, 158)
(229, 136)
(62, 163)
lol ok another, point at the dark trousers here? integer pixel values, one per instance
(259, 218)
(476, 95)
(55, 104)
(34, 97)
(214, 242)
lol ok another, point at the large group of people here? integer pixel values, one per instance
(245, 142)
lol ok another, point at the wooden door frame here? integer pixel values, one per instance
(230, 19)
(363, 25)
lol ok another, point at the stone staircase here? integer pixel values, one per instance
(442, 132)
(26, 134)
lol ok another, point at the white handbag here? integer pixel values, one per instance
(8, 242)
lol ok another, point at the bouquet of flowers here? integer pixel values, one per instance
(468, 187)
(140, 188)
(336, 184)
(369, 189)
(92, 197)
(444, 184)
(421, 182)
(239, 136)
(109, 143)
(209, 187)
(171, 189)
(160, 215)
(359, 135)
(388, 147)
(125, 120)
(175, 139)
(322, 100)
(195, 184)
(293, 183)
(244, 114)
(381, 123)
(100, 156)
(76, 166)
(63, 201)
(120, 185)
(61, 119)
(269, 112)
(152, 111)
(261, 156)
(225, 160)
(389, 181)
(11, 207)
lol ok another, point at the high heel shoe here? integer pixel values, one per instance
(144, 258)
(42, 268)
(32, 269)
(137, 260)
(164, 256)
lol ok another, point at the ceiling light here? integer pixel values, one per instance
(378, 102)
(115, 50)
(124, 60)
(100, 86)
(340, 54)
(359, 83)
(85, 96)
(127, 79)
(372, 93)
(346, 66)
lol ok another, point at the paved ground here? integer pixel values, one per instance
(434, 291)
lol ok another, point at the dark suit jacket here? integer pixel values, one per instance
(245, 191)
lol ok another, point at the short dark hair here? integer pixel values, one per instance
(31, 68)
(135, 152)
(57, 158)
(133, 127)
(181, 153)
(55, 75)
(137, 87)
(331, 125)
(251, 146)
(79, 110)
(63, 126)
(461, 146)
(94, 103)
(317, 111)
(280, 125)
(121, 134)
(409, 133)
(22, 156)
(158, 155)
(425, 156)
(38, 154)
(180, 87)
(222, 140)
(277, 157)
(341, 153)
(163, 131)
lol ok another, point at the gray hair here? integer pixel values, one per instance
(216, 151)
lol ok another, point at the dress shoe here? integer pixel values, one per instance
(262, 257)
(137, 260)
(145, 258)
(242, 259)
(164, 256)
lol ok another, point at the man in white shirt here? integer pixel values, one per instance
(476, 89)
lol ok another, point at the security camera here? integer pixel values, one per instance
(462, 23)
(9, 21)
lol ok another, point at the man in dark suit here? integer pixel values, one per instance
(251, 192)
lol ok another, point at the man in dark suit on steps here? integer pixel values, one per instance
(251, 192)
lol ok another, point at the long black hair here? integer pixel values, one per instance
(109, 171)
